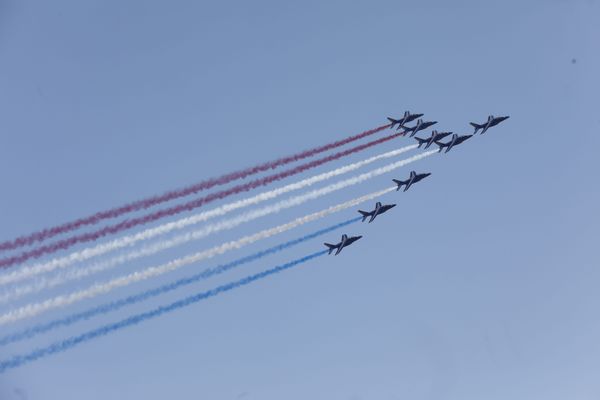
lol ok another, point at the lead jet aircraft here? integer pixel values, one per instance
(418, 127)
(414, 178)
(406, 118)
(379, 209)
(456, 140)
(435, 135)
(491, 121)
(346, 241)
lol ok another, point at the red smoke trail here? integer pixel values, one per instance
(155, 200)
(167, 212)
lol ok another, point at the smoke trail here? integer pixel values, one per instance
(175, 194)
(82, 255)
(212, 228)
(33, 309)
(189, 206)
(73, 341)
(115, 305)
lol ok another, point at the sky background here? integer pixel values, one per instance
(481, 283)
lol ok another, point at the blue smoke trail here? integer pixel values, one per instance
(115, 305)
(73, 341)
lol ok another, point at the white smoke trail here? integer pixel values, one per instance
(34, 309)
(82, 272)
(82, 255)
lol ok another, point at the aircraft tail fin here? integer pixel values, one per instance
(476, 126)
(406, 129)
(441, 145)
(364, 214)
(399, 183)
(421, 141)
(331, 247)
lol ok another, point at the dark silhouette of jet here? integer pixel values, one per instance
(491, 121)
(413, 178)
(435, 135)
(454, 141)
(418, 127)
(406, 118)
(379, 209)
(346, 241)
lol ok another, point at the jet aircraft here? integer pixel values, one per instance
(418, 127)
(455, 141)
(414, 178)
(408, 117)
(346, 241)
(379, 209)
(435, 135)
(491, 121)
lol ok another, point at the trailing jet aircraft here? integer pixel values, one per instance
(435, 135)
(379, 209)
(418, 127)
(491, 121)
(406, 118)
(414, 178)
(456, 140)
(346, 241)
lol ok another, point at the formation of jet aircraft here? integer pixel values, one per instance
(436, 137)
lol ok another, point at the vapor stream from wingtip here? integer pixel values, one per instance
(188, 206)
(174, 194)
(33, 309)
(73, 341)
(26, 272)
(115, 305)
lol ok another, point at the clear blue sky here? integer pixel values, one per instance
(482, 283)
